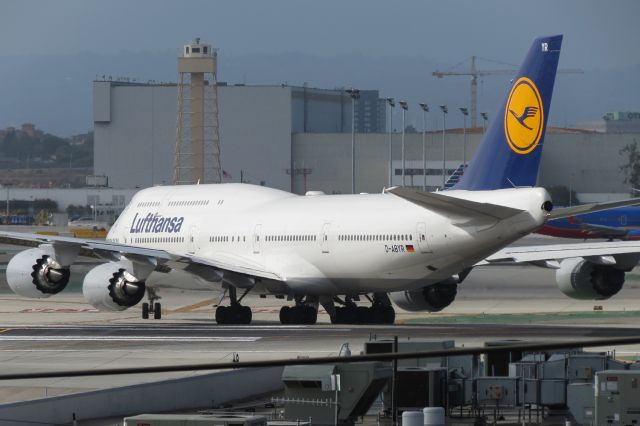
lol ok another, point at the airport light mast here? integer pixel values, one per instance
(197, 151)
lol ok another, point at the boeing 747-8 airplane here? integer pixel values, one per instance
(334, 250)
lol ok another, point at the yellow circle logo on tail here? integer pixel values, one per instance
(523, 117)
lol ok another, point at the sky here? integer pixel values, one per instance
(599, 35)
(597, 32)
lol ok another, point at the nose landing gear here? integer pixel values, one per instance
(152, 307)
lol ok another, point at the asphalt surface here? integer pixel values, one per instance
(64, 332)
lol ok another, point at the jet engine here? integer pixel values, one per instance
(109, 287)
(35, 273)
(580, 279)
(433, 298)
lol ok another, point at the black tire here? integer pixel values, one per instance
(389, 315)
(349, 315)
(311, 315)
(286, 315)
(364, 315)
(157, 311)
(245, 315)
(339, 317)
(221, 314)
(145, 310)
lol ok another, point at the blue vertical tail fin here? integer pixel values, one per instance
(509, 153)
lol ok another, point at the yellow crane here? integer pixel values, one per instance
(474, 73)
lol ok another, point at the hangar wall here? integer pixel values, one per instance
(588, 162)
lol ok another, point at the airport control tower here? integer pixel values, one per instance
(197, 153)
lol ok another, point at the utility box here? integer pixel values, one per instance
(617, 397)
(524, 369)
(554, 368)
(494, 391)
(195, 420)
(530, 391)
(580, 402)
(330, 391)
(553, 393)
(583, 366)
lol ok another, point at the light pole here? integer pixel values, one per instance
(404, 107)
(425, 110)
(392, 104)
(444, 153)
(355, 94)
(485, 117)
(464, 112)
(7, 186)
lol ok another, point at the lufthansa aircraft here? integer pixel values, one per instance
(335, 250)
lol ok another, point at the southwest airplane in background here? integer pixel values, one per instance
(622, 223)
(403, 245)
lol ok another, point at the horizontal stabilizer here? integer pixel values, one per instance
(471, 211)
(589, 208)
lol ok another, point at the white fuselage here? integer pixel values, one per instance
(324, 244)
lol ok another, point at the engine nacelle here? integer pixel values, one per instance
(433, 298)
(580, 279)
(109, 287)
(35, 273)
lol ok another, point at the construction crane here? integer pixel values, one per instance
(474, 73)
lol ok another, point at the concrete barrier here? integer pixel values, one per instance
(202, 391)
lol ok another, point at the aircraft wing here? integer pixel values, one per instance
(111, 251)
(604, 231)
(589, 208)
(556, 252)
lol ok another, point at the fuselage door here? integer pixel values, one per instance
(423, 242)
(192, 239)
(256, 238)
(325, 237)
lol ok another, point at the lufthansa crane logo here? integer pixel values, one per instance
(523, 117)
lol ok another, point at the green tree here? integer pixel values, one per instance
(631, 168)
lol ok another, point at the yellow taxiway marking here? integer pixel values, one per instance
(4, 330)
(189, 308)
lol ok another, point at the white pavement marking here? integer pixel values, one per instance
(181, 328)
(180, 351)
(127, 339)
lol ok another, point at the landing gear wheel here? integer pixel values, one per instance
(311, 315)
(301, 315)
(364, 315)
(233, 315)
(285, 315)
(221, 314)
(245, 315)
(352, 314)
(145, 310)
(157, 311)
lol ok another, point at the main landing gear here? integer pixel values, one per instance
(152, 307)
(304, 312)
(380, 312)
(235, 313)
